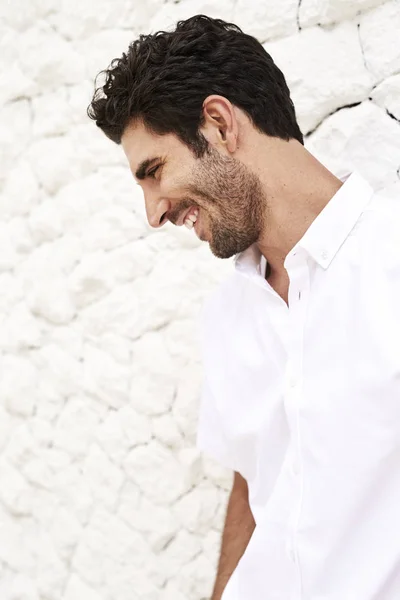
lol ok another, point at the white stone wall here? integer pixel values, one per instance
(102, 493)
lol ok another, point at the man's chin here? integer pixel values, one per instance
(228, 250)
(219, 253)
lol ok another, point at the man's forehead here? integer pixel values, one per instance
(137, 141)
(139, 144)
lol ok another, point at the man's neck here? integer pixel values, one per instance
(294, 200)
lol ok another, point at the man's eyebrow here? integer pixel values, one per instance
(144, 165)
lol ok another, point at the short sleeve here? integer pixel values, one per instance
(211, 437)
(211, 433)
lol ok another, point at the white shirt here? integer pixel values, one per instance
(304, 401)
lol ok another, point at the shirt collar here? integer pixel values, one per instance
(327, 232)
(332, 226)
(250, 261)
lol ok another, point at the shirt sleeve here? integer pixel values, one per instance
(211, 438)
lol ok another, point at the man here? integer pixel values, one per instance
(302, 342)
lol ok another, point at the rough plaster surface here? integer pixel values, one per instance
(102, 493)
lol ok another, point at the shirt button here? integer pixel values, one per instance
(324, 255)
(292, 382)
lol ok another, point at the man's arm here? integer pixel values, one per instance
(238, 529)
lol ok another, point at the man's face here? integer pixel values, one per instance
(228, 196)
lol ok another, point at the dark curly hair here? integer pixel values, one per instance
(164, 78)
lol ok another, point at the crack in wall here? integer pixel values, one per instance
(362, 47)
(298, 16)
(391, 115)
(329, 115)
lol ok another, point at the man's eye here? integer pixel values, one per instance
(153, 172)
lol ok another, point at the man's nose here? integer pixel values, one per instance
(156, 209)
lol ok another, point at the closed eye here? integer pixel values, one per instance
(153, 171)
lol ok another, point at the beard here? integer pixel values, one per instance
(234, 199)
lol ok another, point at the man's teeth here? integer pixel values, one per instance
(191, 220)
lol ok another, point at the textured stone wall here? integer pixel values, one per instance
(102, 493)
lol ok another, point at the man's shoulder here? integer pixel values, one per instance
(380, 230)
(218, 298)
(384, 212)
(221, 302)
(386, 202)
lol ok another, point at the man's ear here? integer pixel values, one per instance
(220, 126)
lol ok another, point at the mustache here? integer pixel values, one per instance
(185, 204)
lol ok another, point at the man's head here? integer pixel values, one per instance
(186, 99)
